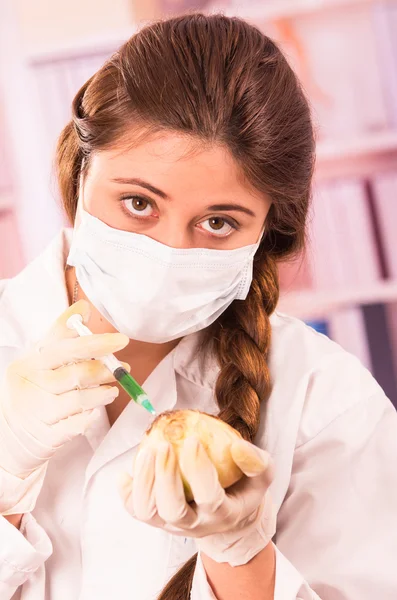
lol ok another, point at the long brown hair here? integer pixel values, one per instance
(223, 81)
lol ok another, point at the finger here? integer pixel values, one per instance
(65, 351)
(143, 496)
(250, 459)
(245, 496)
(66, 405)
(60, 330)
(77, 376)
(71, 427)
(169, 493)
(126, 486)
(200, 473)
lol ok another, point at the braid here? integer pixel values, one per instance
(241, 343)
(240, 340)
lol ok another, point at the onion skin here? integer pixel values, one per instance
(215, 435)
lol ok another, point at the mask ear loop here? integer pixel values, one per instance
(246, 280)
(79, 214)
(80, 201)
(259, 240)
(261, 235)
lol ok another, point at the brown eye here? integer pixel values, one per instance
(217, 226)
(216, 223)
(139, 204)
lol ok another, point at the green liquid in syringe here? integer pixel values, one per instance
(133, 389)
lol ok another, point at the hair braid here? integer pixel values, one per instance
(241, 344)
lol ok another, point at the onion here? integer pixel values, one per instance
(214, 434)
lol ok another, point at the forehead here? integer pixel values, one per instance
(172, 161)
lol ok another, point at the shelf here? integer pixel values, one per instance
(284, 9)
(360, 156)
(80, 48)
(309, 304)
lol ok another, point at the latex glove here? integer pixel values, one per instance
(47, 398)
(230, 526)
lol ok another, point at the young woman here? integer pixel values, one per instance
(186, 171)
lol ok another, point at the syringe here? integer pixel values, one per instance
(126, 381)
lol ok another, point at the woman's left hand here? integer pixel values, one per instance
(230, 525)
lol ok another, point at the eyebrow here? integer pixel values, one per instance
(238, 207)
(141, 183)
(154, 190)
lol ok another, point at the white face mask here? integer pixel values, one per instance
(151, 292)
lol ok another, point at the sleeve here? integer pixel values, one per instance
(337, 527)
(23, 552)
(338, 523)
(22, 555)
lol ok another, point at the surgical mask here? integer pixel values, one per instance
(151, 292)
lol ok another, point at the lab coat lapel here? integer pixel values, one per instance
(128, 430)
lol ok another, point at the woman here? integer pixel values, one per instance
(186, 171)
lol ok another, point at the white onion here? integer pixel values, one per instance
(215, 435)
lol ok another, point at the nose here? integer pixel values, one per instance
(174, 234)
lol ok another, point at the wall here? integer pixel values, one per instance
(28, 30)
(48, 25)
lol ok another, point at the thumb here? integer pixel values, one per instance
(60, 330)
(251, 460)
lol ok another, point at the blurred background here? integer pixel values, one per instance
(345, 52)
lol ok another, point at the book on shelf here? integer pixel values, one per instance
(319, 325)
(391, 316)
(384, 188)
(385, 24)
(377, 325)
(343, 249)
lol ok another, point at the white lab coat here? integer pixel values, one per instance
(329, 427)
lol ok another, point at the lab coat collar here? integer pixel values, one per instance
(129, 428)
(193, 364)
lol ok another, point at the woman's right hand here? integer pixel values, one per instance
(50, 396)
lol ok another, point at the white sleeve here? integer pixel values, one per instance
(338, 523)
(22, 554)
(337, 528)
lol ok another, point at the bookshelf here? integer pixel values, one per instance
(289, 9)
(357, 157)
(318, 304)
(362, 156)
